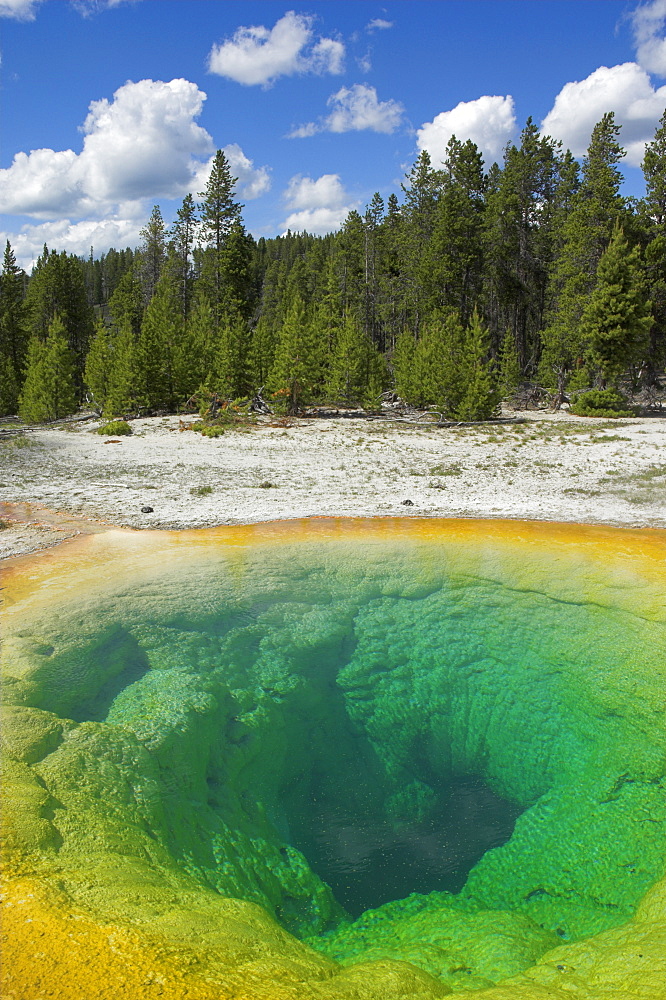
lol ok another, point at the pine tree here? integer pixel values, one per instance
(520, 241)
(422, 194)
(121, 396)
(295, 369)
(219, 214)
(480, 400)
(586, 232)
(405, 376)
(152, 253)
(452, 265)
(48, 392)
(351, 264)
(617, 318)
(155, 353)
(373, 239)
(126, 302)
(13, 332)
(261, 354)
(57, 288)
(355, 374)
(231, 363)
(194, 358)
(98, 364)
(510, 372)
(183, 236)
(653, 217)
(238, 293)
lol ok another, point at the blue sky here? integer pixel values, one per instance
(111, 106)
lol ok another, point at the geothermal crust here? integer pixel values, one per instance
(542, 466)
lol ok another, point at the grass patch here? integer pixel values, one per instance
(447, 470)
(20, 441)
(646, 475)
(201, 491)
(597, 439)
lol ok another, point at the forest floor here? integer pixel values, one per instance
(66, 479)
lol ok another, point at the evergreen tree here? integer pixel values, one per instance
(126, 303)
(422, 195)
(183, 235)
(152, 253)
(452, 264)
(231, 364)
(99, 363)
(392, 306)
(155, 353)
(432, 370)
(261, 354)
(238, 293)
(480, 400)
(295, 369)
(653, 217)
(219, 214)
(121, 394)
(13, 332)
(57, 288)
(49, 391)
(617, 318)
(510, 373)
(405, 377)
(351, 264)
(586, 232)
(373, 239)
(355, 374)
(194, 359)
(520, 241)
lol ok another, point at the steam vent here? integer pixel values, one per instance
(323, 760)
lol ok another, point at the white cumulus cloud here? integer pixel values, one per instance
(145, 143)
(74, 237)
(260, 55)
(626, 90)
(355, 109)
(488, 121)
(317, 206)
(20, 10)
(649, 24)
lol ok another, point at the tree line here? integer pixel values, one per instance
(537, 272)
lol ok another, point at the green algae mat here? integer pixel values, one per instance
(333, 759)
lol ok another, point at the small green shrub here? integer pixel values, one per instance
(212, 431)
(267, 485)
(115, 427)
(446, 470)
(201, 491)
(600, 403)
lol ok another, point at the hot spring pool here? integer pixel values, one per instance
(330, 759)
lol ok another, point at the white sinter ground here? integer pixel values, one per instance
(543, 466)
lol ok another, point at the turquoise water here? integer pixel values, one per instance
(325, 736)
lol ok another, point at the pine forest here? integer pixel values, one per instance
(529, 282)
